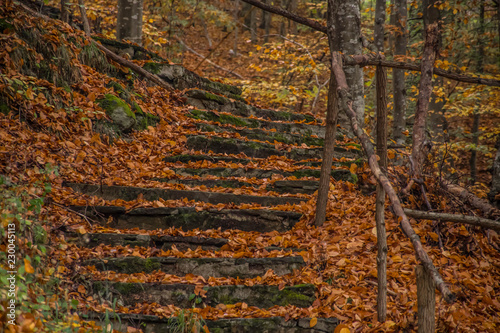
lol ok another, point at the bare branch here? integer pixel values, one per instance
(472, 220)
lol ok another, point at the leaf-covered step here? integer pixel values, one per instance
(252, 123)
(183, 295)
(220, 145)
(205, 267)
(337, 174)
(182, 243)
(187, 218)
(207, 101)
(261, 135)
(152, 324)
(129, 193)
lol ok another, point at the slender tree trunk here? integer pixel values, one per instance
(129, 25)
(476, 116)
(235, 16)
(348, 22)
(420, 144)
(64, 11)
(326, 165)
(378, 35)
(381, 84)
(398, 75)
(495, 178)
(344, 34)
(292, 25)
(426, 300)
(331, 120)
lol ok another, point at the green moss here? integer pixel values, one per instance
(215, 98)
(310, 141)
(227, 119)
(309, 118)
(153, 67)
(128, 288)
(306, 173)
(111, 102)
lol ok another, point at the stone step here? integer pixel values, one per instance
(337, 174)
(182, 243)
(249, 163)
(285, 128)
(206, 267)
(183, 295)
(220, 145)
(279, 186)
(129, 193)
(154, 324)
(261, 135)
(187, 218)
(206, 101)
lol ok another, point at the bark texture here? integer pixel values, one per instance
(420, 144)
(331, 122)
(495, 178)
(129, 23)
(426, 301)
(348, 38)
(400, 14)
(380, 200)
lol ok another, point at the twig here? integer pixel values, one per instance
(471, 220)
(210, 62)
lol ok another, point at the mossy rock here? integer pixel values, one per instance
(119, 112)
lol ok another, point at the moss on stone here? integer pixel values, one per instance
(111, 102)
(153, 67)
(128, 288)
(215, 98)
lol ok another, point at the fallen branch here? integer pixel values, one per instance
(209, 61)
(472, 220)
(346, 105)
(478, 203)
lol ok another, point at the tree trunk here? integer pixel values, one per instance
(331, 121)
(378, 30)
(348, 37)
(326, 165)
(476, 116)
(420, 144)
(381, 104)
(235, 16)
(292, 25)
(64, 11)
(398, 75)
(129, 25)
(426, 301)
(380, 201)
(494, 194)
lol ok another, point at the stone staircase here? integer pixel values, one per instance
(234, 144)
